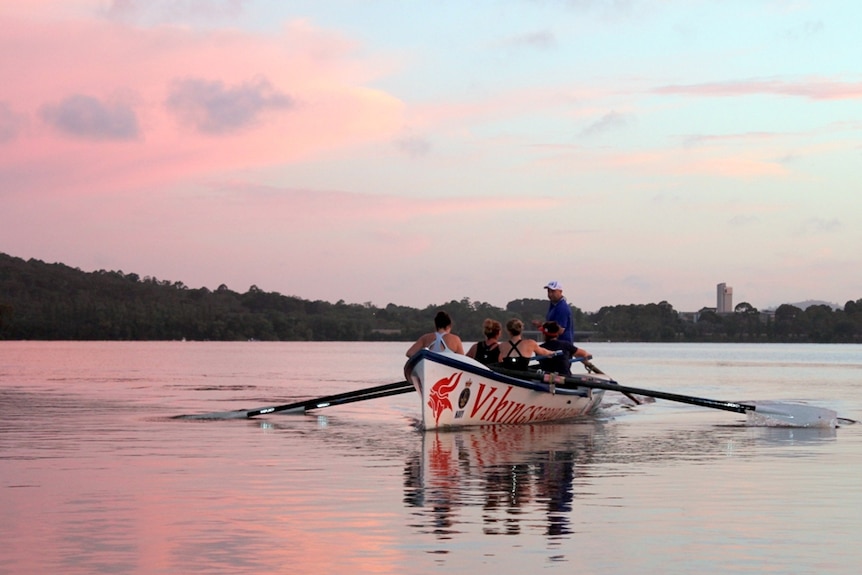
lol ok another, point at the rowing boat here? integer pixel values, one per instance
(458, 391)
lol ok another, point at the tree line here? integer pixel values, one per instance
(41, 301)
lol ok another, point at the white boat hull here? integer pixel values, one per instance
(458, 391)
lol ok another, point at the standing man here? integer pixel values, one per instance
(559, 311)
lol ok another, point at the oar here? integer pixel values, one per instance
(593, 369)
(385, 390)
(786, 414)
(337, 399)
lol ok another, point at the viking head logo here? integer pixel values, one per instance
(439, 394)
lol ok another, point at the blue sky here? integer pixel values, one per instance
(419, 152)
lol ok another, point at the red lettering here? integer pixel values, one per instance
(477, 405)
(516, 410)
(501, 405)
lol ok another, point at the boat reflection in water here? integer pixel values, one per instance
(513, 474)
(510, 479)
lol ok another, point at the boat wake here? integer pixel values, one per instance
(620, 400)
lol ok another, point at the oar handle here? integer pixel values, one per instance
(593, 369)
(557, 353)
(560, 352)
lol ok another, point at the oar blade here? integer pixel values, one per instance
(296, 409)
(216, 415)
(775, 414)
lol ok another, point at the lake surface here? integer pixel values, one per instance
(97, 475)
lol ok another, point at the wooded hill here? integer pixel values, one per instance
(42, 301)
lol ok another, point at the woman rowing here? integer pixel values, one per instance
(440, 340)
(516, 353)
(487, 351)
(562, 363)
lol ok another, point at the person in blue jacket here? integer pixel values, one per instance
(559, 311)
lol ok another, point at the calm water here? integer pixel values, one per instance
(97, 476)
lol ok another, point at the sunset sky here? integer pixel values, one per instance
(419, 152)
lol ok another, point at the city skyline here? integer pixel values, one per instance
(418, 153)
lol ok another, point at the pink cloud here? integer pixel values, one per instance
(86, 117)
(303, 209)
(507, 104)
(814, 89)
(99, 106)
(10, 123)
(671, 162)
(212, 108)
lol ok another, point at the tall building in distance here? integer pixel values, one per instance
(724, 303)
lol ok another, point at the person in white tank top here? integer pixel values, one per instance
(440, 340)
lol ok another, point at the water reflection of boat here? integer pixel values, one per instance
(501, 470)
(508, 477)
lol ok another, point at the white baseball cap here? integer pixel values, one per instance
(554, 285)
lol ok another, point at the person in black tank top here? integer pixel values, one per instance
(488, 351)
(516, 353)
(518, 362)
